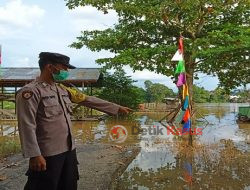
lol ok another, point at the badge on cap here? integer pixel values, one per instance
(27, 94)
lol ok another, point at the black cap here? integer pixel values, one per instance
(55, 58)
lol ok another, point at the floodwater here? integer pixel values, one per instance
(218, 159)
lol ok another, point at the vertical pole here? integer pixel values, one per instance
(1, 131)
(84, 113)
(15, 98)
(91, 93)
(82, 86)
(2, 94)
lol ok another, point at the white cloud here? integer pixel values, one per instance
(89, 18)
(141, 76)
(16, 15)
(22, 62)
(144, 75)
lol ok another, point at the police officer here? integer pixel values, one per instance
(43, 111)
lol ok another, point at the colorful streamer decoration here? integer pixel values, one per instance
(180, 73)
(181, 80)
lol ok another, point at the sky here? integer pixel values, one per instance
(28, 27)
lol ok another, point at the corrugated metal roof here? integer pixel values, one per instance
(19, 76)
(79, 74)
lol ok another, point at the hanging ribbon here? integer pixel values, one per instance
(185, 91)
(185, 104)
(186, 126)
(182, 82)
(186, 116)
(180, 67)
(181, 45)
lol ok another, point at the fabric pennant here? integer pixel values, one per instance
(177, 56)
(186, 126)
(185, 91)
(181, 79)
(181, 45)
(186, 116)
(185, 104)
(180, 67)
(180, 116)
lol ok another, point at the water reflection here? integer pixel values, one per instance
(220, 158)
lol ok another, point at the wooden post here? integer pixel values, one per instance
(2, 93)
(15, 98)
(91, 93)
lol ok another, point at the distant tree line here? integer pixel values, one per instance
(119, 88)
(219, 95)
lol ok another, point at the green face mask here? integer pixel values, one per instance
(62, 75)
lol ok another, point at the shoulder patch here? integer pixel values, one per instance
(27, 94)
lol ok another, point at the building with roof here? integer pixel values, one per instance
(19, 76)
(13, 78)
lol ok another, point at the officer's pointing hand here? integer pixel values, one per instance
(124, 110)
(37, 163)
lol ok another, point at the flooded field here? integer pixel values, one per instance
(219, 158)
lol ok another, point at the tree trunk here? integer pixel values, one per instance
(189, 65)
(190, 81)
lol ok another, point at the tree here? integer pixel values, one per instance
(200, 95)
(216, 37)
(219, 95)
(149, 97)
(119, 88)
(156, 92)
(244, 95)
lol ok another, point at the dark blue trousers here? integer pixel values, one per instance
(61, 173)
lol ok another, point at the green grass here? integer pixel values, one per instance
(9, 146)
(8, 105)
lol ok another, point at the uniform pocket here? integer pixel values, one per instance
(52, 111)
(51, 107)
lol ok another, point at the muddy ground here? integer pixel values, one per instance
(99, 166)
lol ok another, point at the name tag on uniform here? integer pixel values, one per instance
(47, 97)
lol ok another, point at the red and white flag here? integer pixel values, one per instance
(178, 56)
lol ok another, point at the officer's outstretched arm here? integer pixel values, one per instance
(101, 105)
(27, 100)
(80, 98)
